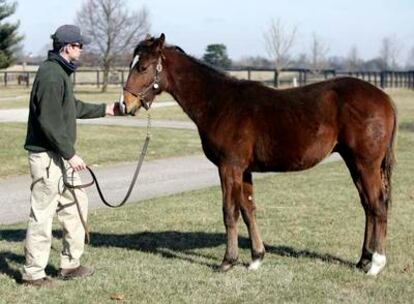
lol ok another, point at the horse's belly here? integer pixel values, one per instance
(286, 164)
(282, 158)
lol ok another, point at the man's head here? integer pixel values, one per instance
(68, 40)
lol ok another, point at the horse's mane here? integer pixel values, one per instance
(212, 70)
(207, 68)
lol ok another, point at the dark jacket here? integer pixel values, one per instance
(54, 109)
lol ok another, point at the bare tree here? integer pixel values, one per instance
(390, 52)
(353, 61)
(410, 59)
(113, 29)
(253, 61)
(279, 42)
(319, 51)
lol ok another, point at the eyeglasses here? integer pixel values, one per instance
(79, 45)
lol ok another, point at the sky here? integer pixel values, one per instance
(193, 24)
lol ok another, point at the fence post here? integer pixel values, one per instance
(382, 79)
(97, 78)
(411, 80)
(249, 76)
(5, 79)
(408, 80)
(27, 79)
(122, 78)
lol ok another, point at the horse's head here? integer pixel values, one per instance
(145, 79)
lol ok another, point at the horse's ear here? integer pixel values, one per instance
(147, 36)
(162, 38)
(160, 42)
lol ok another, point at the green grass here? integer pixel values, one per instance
(167, 113)
(102, 145)
(14, 97)
(164, 250)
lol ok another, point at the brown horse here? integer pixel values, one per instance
(247, 127)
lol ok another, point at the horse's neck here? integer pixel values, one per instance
(190, 84)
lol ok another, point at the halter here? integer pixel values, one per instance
(142, 94)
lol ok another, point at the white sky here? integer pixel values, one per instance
(193, 24)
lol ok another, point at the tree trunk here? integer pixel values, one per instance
(276, 81)
(105, 77)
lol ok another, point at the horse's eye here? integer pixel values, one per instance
(142, 68)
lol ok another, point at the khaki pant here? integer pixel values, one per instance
(48, 197)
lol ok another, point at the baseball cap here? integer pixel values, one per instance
(69, 34)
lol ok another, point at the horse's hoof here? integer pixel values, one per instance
(364, 265)
(225, 266)
(377, 265)
(254, 265)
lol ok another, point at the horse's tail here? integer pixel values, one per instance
(389, 160)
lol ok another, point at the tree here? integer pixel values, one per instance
(113, 29)
(410, 60)
(353, 62)
(375, 64)
(279, 43)
(337, 63)
(318, 54)
(216, 55)
(301, 62)
(253, 62)
(9, 37)
(389, 52)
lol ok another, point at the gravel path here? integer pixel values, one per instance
(157, 178)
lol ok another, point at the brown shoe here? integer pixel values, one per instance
(73, 273)
(43, 282)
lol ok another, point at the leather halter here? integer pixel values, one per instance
(153, 86)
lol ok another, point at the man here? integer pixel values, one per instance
(50, 141)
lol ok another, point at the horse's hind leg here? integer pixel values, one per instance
(367, 179)
(231, 184)
(376, 213)
(248, 210)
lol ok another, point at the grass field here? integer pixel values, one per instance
(165, 250)
(13, 97)
(102, 145)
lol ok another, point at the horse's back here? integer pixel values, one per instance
(296, 128)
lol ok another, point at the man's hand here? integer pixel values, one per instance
(76, 163)
(113, 109)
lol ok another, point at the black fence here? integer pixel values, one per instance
(286, 78)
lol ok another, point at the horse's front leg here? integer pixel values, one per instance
(231, 184)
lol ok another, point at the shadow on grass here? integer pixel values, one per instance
(407, 126)
(9, 258)
(6, 257)
(180, 245)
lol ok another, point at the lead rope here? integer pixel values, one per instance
(72, 187)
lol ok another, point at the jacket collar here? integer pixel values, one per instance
(68, 66)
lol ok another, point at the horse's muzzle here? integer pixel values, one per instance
(121, 105)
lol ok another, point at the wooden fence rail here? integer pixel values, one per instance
(287, 77)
